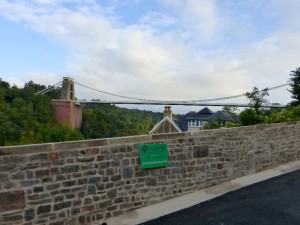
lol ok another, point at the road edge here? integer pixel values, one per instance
(151, 212)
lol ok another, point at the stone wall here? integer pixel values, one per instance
(87, 181)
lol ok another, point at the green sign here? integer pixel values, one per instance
(153, 155)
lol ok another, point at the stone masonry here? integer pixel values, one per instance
(87, 181)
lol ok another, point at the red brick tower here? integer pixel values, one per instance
(67, 110)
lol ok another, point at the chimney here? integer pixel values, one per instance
(168, 112)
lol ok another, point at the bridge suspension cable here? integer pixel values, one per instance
(186, 102)
(134, 100)
(115, 95)
(49, 88)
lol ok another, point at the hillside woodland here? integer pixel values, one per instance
(27, 118)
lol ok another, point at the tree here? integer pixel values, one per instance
(26, 118)
(230, 109)
(250, 117)
(257, 98)
(295, 86)
(216, 124)
(53, 94)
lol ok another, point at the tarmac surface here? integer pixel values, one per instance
(275, 201)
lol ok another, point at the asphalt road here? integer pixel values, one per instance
(272, 202)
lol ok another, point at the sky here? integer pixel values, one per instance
(153, 49)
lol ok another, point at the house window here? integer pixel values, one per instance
(195, 123)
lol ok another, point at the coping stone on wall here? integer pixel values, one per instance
(129, 140)
(25, 149)
(61, 146)
(79, 144)
(158, 137)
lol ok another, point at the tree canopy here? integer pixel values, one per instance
(100, 121)
(295, 86)
(26, 118)
(257, 98)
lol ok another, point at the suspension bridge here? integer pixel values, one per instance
(127, 100)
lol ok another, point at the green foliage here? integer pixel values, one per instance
(285, 115)
(250, 117)
(216, 124)
(26, 118)
(295, 86)
(233, 124)
(230, 110)
(53, 94)
(102, 121)
(257, 98)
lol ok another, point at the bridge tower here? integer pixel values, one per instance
(67, 110)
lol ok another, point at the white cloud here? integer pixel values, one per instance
(158, 19)
(186, 61)
(200, 19)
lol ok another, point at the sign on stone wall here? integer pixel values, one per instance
(153, 155)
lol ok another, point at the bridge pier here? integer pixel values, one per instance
(67, 110)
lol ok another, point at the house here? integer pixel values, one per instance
(191, 121)
(166, 125)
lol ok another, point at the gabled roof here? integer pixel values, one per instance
(221, 115)
(205, 111)
(166, 118)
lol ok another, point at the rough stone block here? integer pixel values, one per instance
(62, 205)
(12, 200)
(103, 165)
(176, 170)
(65, 154)
(38, 189)
(127, 173)
(53, 156)
(200, 151)
(85, 159)
(75, 211)
(29, 214)
(112, 193)
(39, 157)
(91, 190)
(115, 178)
(44, 209)
(151, 181)
(18, 159)
(82, 181)
(69, 183)
(3, 177)
(57, 223)
(5, 167)
(90, 172)
(70, 169)
(94, 180)
(88, 208)
(29, 166)
(51, 187)
(42, 173)
(105, 204)
(16, 219)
